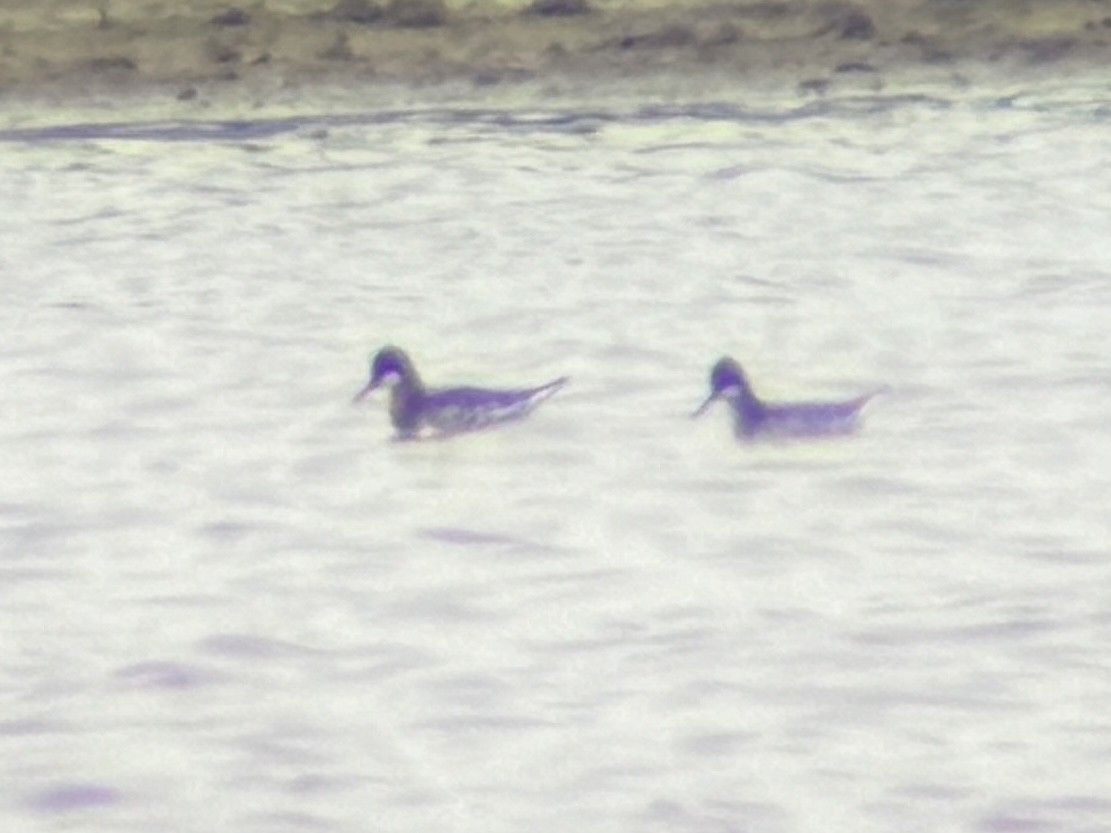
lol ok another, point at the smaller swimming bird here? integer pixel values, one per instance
(445, 411)
(754, 419)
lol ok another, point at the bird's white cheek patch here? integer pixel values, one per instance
(390, 378)
(731, 392)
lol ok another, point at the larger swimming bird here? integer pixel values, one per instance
(755, 419)
(445, 411)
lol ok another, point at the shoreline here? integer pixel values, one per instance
(186, 53)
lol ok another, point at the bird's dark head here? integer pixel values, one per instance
(388, 367)
(727, 380)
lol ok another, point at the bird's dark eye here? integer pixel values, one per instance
(386, 364)
(723, 377)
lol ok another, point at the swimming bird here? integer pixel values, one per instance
(754, 419)
(445, 411)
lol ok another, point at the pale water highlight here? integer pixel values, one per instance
(230, 602)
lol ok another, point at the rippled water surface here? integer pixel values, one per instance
(229, 602)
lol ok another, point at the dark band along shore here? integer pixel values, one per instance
(204, 48)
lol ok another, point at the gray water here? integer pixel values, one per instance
(229, 602)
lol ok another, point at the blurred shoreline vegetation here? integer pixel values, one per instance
(132, 43)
